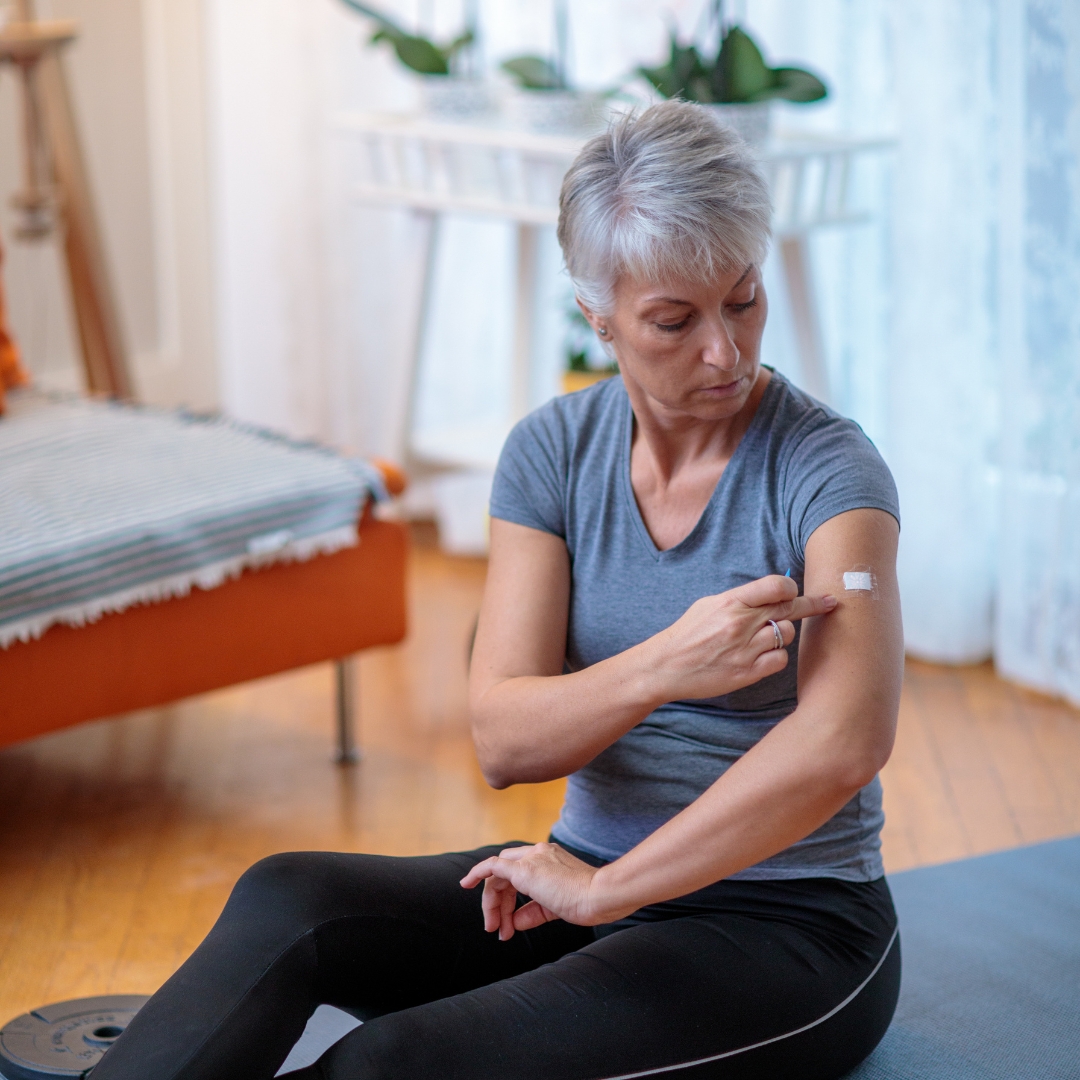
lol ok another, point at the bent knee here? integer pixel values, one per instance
(307, 888)
(290, 883)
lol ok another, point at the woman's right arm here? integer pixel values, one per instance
(533, 723)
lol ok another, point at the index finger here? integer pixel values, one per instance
(773, 589)
(480, 871)
(803, 607)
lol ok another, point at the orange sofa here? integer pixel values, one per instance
(266, 621)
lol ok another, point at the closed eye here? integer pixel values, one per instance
(670, 328)
(740, 308)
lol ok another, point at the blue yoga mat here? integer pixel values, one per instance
(991, 985)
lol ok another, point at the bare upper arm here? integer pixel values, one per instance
(851, 660)
(523, 617)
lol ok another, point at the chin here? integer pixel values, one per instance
(720, 410)
(723, 404)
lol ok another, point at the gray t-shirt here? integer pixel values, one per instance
(566, 470)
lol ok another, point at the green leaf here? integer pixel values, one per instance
(419, 54)
(678, 76)
(688, 68)
(414, 52)
(795, 84)
(454, 47)
(533, 73)
(741, 74)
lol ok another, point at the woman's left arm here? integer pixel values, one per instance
(790, 783)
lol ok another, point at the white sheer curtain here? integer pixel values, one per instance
(1038, 616)
(951, 320)
(908, 299)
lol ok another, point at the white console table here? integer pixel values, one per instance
(435, 168)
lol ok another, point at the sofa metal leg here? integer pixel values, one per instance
(345, 676)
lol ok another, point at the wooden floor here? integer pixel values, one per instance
(120, 840)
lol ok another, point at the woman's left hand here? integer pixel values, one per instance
(559, 887)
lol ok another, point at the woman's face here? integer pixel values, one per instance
(690, 347)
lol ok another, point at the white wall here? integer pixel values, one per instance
(136, 76)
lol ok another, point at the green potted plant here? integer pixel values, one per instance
(450, 88)
(543, 99)
(737, 82)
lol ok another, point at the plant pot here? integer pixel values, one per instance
(752, 121)
(554, 111)
(447, 97)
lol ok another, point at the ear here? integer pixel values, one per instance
(594, 320)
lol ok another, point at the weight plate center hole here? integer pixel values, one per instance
(105, 1035)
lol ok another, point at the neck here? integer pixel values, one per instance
(674, 440)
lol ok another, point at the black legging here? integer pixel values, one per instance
(747, 979)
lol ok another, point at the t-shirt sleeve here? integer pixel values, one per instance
(833, 469)
(530, 479)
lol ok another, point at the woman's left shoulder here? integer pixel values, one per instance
(825, 463)
(805, 426)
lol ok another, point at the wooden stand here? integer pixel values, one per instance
(56, 181)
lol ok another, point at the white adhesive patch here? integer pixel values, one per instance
(858, 581)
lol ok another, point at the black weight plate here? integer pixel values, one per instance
(65, 1039)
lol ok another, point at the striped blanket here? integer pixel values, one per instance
(103, 506)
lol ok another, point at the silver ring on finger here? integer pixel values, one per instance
(778, 638)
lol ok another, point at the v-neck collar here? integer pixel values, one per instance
(703, 519)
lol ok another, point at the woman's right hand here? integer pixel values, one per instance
(723, 643)
(531, 722)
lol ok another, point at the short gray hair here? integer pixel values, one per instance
(665, 193)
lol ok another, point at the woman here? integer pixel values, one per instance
(712, 902)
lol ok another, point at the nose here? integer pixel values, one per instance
(720, 350)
